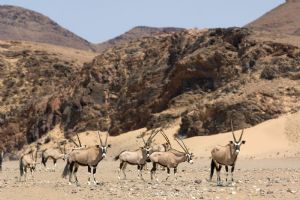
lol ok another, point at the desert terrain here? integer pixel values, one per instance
(192, 82)
(264, 170)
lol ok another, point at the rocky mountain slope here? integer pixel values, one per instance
(283, 19)
(33, 76)
(203, 78)
(134, 34)
(17, 23)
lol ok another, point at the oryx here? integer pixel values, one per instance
(85, 156)
(28, 160)
(55, 154)
(170, 159)
(226, 155)
(137, 157)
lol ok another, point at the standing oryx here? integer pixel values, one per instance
(170, 159)
(55, 154)
(226, 155)
(28, 160)
(85, 156)
(137, 157)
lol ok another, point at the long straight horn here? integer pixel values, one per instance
(78, 140)
(143, 139)
(180, 145)
(184, 146)
(77, 145)
(232, 131)
(100, 138)
(166, 138)
(153, 134)
(241, 135)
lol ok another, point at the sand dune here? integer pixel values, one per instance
(277, 138)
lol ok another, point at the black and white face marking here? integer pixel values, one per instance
(148, 149)
(189, 158)
(104, 150)
(237, 145)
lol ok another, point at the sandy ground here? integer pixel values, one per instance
(268, 167)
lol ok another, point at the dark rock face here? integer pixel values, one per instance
(203, 77)
(209, 71)
(34, 85)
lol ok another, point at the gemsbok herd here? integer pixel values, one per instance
(163, 155)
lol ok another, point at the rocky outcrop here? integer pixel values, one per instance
(217, 75)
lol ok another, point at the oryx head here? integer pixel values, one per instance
(147, 144)
(147, 150)
(237, 143)
(189, 156)
(103, 145)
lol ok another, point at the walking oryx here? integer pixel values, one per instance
(85, 156)
(28, 160)
(55, 154)
(1, 158)
(226, 155)
(170, 159)
(137, 157)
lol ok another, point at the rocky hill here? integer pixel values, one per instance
(203, 78)
(17, 23)
(134, 34)
(32, 77)
(283, 19)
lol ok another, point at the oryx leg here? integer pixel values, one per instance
(31, 172)
(71, 172)
(122, 167)
(175, 172)
(90, 173)
(232, 169)
(140, 168)
(168, 171)
(75, 174)
(94, 172)
(219, 167)
(45, 164)
(146, 167)
(25, 173)
(226, 168)
(153, 170)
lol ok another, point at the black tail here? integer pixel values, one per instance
(44, 160)
(212, 168)
(21, 167)
(66, 170)
(117, 157)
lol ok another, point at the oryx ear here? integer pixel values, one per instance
(109, 145)
(230, 142)
(243, 142)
